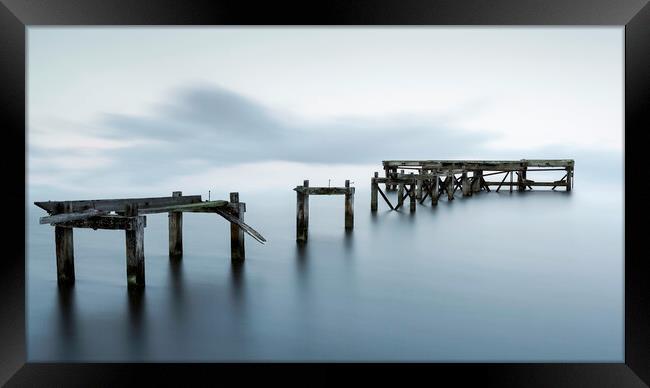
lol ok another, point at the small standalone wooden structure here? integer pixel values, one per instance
(302, 205)
(434, 178)
(129, 215)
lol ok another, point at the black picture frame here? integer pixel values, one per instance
(16, 15)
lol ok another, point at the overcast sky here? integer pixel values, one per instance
(142, 111)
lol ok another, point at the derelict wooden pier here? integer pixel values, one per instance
(302, 205)
(128, 214)
(436, 178)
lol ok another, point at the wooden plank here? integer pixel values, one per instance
(227, 214)
(63, 217)
(325, 190)
(529, 183)
(385, 198)
(106, 222)
(118, 205)
(201, 207)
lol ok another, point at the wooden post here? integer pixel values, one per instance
(435, 188)
(64, 255)
(511, 174)
(418, 186)
(522, 180)
(467, 190)
(349, 207)
(302, 214)
(450, 186)
(135, 249)
(400, 194)
(373, 192)
(176, 231)
(569, 178)
(237, 252)
(412, 197)
(477, 180)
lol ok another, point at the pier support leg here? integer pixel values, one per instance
(237, 251)
(464, 182)
(569, 178)
(477, 181)
(64, 255)
(450, 186)
(176, 231)
(511, 174)
(349, 208)
(400, 195)
(302, 214)
(521, 181)
(135, 251)
(418, 189)
(412, 197)
(373, 192)
(435, 189)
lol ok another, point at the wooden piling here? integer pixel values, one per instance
(349, 207)
(373, 192)
(237, 251)
(400, 195)
(511, 174)
(450, 186)
(176, 231)
(64, 255)
(521, 180)
(435, 190)
(412, 197)
(464, 180)
(302, 214)
(569, 178)
(477, 180)
(135, 248)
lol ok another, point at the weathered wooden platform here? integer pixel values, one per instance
(434, 178)
(128, 214)
(302, 205)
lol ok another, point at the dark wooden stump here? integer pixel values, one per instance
(373, 192)
(64, 255)
(176, 231)
(464, 181)
(302, 214)
(135, 249)
(477, 181)
(349, 208)
(435, 190)
(237, 251)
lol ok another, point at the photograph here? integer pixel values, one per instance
(449, 194)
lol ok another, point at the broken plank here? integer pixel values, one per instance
(230, 217)
(193, 207)
(63, 217)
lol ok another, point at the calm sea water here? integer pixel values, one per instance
(536, 276)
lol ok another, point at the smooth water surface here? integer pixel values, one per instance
(516, 277)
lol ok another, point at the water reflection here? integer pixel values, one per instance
(137, 328)
(237, 281)
(67, 312)
(177, 288)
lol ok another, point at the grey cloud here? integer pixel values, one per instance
(210, 126)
